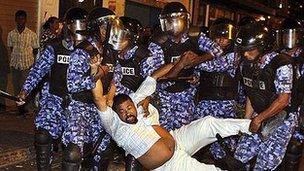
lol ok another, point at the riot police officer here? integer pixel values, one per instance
(84, 131)
(176, 98)
(267, 78)
(135, 61)
(53, 63)
(217, 93)
(291, 32)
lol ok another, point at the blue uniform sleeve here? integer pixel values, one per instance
(224, 63)
(153, 62)
(120, 89)
(78, 75)
(208, 45)
(40, 68)
(284, 78)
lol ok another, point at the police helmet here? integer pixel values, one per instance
(251, 36)
(174, 19)
(76, 22)
(99, 21)
(223, 27)
(124, 31)
(292, 33)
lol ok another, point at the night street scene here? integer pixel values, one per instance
(162, 85)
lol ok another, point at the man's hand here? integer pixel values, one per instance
(255, 125)
(162, 71)
(22, 96)
(189, 59)
(145, 104)
(95, 62)
(194, 80)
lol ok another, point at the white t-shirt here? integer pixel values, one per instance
(135, 139)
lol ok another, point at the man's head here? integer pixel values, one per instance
(20, 18)
(252, 41)
(292, 34)
(75, 20)
(175, 19)
(125, 108)
(100, 20)
(223, 32)
(124, 33)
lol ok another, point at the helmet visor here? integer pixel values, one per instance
(119, 37)
(291, 38)
(175, 23)
(76, 27)
(223, 31)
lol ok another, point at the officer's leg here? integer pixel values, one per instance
(293, 155)
(105, 157)
(71, 158)
(43, 145)
(132, 164)
(88, 159)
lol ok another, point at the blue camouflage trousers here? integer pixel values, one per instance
(218, 109)
(51, 115)
(269, 153)
(176, 109)
(84, 126)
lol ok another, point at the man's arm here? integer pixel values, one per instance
(189, 59)
(99, 99)
(40, 68)
(277, 106)
(248, 109)
(148, 87)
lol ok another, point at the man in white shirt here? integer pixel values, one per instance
(153, 146)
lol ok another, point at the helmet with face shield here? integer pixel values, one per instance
(251, 36)
(223, 32)
(223, 27)
(174, 19)
(124, 32)
(292, 33)
(99, 22)
(76, 23)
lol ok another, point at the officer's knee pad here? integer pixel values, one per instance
(42, 136)
(72, 154)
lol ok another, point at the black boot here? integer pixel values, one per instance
(293, 155)
(71, 159)
(132, 164)
(43, 145)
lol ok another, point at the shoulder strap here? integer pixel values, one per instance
(280, 60)
(141, 53)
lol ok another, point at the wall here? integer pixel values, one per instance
(47, 9)
(118, 6)
(7, 14)
(7, 23)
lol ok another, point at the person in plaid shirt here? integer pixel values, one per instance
(23, 44)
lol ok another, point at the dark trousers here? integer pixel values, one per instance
(18, 78)
(3, 87)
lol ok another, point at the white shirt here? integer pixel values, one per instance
(135, 139)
